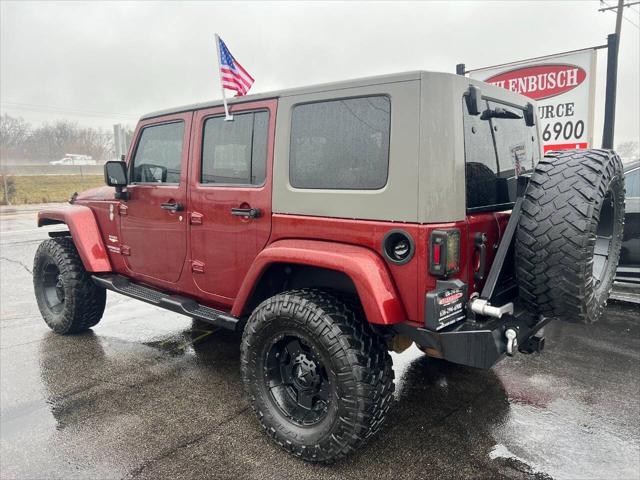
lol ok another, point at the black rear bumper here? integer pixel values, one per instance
(477, 344)
(478, 340)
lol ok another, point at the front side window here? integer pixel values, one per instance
(235, 152)
(341, 144)
(158, 156)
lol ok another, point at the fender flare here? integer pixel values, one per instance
(84, 232)
(364, 267)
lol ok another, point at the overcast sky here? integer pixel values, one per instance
(104, 63)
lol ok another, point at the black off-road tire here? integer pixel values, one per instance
(357, 364)
(574, 199)
(75, 303)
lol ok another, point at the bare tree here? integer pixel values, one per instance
(13, 134)
(628, 150)
(51, 141)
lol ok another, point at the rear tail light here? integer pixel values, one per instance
(437, 249)
(444, 252)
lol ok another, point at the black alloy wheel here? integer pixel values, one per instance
(297, 380)
(53, 287)
(68, 299)
(604, 236)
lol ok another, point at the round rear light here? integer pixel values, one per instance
(398, 247)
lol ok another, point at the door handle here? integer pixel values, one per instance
(172, 207)
(246, 212)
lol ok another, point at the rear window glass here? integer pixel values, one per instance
(341, 144)
(516, 144)
(497, 150)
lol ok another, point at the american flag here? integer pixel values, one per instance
(233, 76)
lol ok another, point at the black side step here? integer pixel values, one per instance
(175, 303)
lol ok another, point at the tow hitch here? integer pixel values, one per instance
(512, 341)
(534, 344)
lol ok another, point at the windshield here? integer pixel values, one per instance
(499, 147)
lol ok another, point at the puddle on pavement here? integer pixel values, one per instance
(181, 342)
(506, 421)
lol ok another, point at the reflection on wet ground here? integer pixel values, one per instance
(149, 394)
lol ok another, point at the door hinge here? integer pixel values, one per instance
(196, 218)
(197, 266)
(125, 250)
(122, 209)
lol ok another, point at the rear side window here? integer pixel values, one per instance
(341, 144)
(158, 156)
(497, 150)
(235, 152)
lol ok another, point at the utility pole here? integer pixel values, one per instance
(619, 18)
(7, 199)
(613, 44)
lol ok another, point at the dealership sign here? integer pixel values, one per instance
(563, 86)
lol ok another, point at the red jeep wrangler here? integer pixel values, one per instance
(333, 223)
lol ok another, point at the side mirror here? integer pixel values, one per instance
(529, 115)
(474, 100)
(115, 175)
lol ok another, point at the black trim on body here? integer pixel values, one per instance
(175, 303)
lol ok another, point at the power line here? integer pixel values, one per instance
(628, 4)
(58, 109)
(635, 25)
(94, 132)
(622, 15)
(632, 23)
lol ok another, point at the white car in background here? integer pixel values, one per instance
(74, 159)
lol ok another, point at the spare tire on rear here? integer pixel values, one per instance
(569, 234)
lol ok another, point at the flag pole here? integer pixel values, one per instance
(227, 116)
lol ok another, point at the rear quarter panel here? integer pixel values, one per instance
(412, 280)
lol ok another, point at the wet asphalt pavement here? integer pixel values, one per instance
(149, 394)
